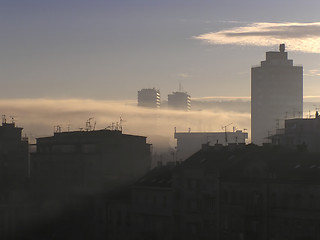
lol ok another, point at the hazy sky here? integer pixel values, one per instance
(110, 49)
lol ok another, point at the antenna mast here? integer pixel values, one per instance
(88, 124)
(4, 119)
(225, 132)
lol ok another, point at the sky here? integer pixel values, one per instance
(105, 51)
(109, 50)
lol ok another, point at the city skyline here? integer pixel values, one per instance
(108, 50)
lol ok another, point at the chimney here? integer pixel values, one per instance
(282, 47)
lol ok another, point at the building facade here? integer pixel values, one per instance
(149, 97)
(299, 132)
(276, 94)
(179, 101)
(88, 161)
(14, 181)
(246, 192)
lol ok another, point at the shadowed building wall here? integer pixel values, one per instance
(85, 161)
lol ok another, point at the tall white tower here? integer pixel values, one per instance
(276, 94)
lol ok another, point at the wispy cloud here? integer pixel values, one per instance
(38, 116)
(222, 98)
(184, 75)
(304, 37)
(312, 72)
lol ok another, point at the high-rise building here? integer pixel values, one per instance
(149, 97)
(179, 101)
(276, 94)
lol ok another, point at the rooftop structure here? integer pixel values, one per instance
(299, 132)
(276, 94)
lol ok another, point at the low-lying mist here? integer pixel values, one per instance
(39, 116)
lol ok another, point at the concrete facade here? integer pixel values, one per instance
(276, 94)
(299, 132)
(179, 101)
(149, 97)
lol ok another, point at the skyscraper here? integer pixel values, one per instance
(149, 97)
(179, 101)
(276, 94)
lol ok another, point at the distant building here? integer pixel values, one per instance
(299, 132)
(89, 160)
(276, 94)
(149, 97)
(190, 142)
(179, 101)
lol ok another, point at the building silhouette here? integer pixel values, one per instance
(276, 94)
(179, 101)
(299, 132)
(14, 152)
(190, 142)
(243, 192)
(149, 97)
(14, 180)
(89, 161)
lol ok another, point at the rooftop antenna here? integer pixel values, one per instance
(120, 125)
(317, 111)
(57, 129)
(225, 131)
(88, 124)
(4, 119)
(12, 119)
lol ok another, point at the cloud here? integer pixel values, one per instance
(222, 98)
(312, 72)
(303, 37)
(38, 116)
(184, 75)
